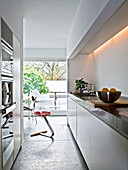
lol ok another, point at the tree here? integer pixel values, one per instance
(52, 69)
(34, 79)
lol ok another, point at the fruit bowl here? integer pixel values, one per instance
(109, 97)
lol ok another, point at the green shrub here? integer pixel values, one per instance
(34, 79)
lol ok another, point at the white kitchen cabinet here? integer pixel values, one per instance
(17, 93)
(72, 116)
(6, 115)
(108, 149)
(83, 120)
(11, 138)
(102, 147)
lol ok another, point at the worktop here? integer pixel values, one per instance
(109, 115)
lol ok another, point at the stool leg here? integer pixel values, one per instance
(49, 128)
(29, 114)
(38, 133)
(8, 136)
(35, 119)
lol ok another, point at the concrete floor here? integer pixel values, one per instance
(42, 153)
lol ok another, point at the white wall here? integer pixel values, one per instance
(105, 67)
(111, 64)
(80, 67)
(90, 17)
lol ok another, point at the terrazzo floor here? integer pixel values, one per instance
(42, 153)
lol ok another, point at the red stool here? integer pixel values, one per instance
(44, 114)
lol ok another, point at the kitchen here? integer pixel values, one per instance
(102, 65)
(102, 61)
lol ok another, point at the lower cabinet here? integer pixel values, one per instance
(102, 147)
(83, 131)
(72, 116)
(108, 149)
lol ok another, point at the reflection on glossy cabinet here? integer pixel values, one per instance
(83, 118)
(72, 116)
(17, 95)
(108, 149)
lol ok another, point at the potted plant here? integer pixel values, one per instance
(80, 84)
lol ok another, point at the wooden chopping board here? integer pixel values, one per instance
(96, 103)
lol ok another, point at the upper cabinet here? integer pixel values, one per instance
(94, 24)
(116, 23)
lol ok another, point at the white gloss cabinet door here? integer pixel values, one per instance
(83, 120)
(71, 113)
(108, 149)
(17, 96)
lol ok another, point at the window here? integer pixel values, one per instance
(56, 80)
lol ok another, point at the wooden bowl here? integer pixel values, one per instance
(109, 97)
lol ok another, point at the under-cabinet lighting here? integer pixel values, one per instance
(115, 36)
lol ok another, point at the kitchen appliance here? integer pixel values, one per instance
(7, 58)
(7, 101)
(7, 91)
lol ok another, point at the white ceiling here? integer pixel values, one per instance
(47, 22)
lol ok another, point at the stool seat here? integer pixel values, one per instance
(42, 113)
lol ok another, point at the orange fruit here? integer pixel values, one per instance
(105, 90)
(112, 90)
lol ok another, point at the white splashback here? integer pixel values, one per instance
(111, 64)
(80, 67)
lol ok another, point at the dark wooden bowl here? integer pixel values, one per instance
(109, 97)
